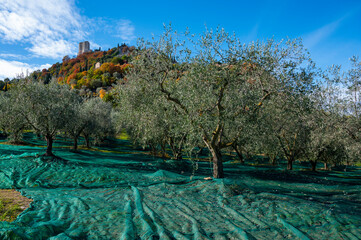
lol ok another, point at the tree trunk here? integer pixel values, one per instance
(75, 146)
(217, 162)
(177, 154)
(87, 142)
(49, 145)
(313, 165)
(163, 151)
(289, 164)
(326, 166)
(273, 160)
(153, 150)
(239, 154)
(176, 151)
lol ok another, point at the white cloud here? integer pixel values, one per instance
(49, 29)
(52, 48)
(52, 27)
(125, 30)
(314, 38)
(94, 45)
(11, 55)
(12, 68)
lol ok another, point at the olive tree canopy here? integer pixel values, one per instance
(215, 83)
(46, 108)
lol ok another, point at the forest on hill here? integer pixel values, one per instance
(81, 73)
(265, 99)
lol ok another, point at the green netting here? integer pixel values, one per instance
(118, 192)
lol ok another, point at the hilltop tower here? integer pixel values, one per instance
(84, 47)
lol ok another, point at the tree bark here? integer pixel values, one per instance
(163, 151)
(217, 163)
(313, 165)
(75, 146)
(87, 142)
(153, 150)
(289, 164)
(326, 166)
(239, 153)
(49, 145)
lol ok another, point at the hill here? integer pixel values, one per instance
(92, 73)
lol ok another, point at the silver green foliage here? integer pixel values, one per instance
(210, 88)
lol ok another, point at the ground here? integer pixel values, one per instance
(119, 192)
(12, 203)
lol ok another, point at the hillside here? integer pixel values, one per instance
(83, 72)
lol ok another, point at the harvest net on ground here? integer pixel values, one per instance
(122, 193)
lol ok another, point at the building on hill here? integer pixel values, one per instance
(84, 47)
(123, 49)
(97, 65)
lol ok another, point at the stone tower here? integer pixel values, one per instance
(84, 47)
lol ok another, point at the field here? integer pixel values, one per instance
(120, 192)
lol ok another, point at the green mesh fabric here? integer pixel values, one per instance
(121, 193)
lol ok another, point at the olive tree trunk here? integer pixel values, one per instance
(87, 140)
(49, 145)
(217, 162)
(290, 163)
(313, 165)
(75, 146)
(238, 152)
(326, 166)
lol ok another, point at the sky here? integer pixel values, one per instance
(34, 34)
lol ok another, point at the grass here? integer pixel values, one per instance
(9, 210)
(123, 135)
(12, 203)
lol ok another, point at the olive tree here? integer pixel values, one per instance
(77, 123)
(287, 123)
(337, 124)
(11, 122)
(90, 118)
(150, 121)
(352, 116)
(97, 119)
(46, 108)
(216, 86)
(327, 139)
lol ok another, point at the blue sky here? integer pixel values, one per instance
(37, 33)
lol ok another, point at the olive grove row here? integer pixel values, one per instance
(52, 109)
(187, 93)
(266, 98)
